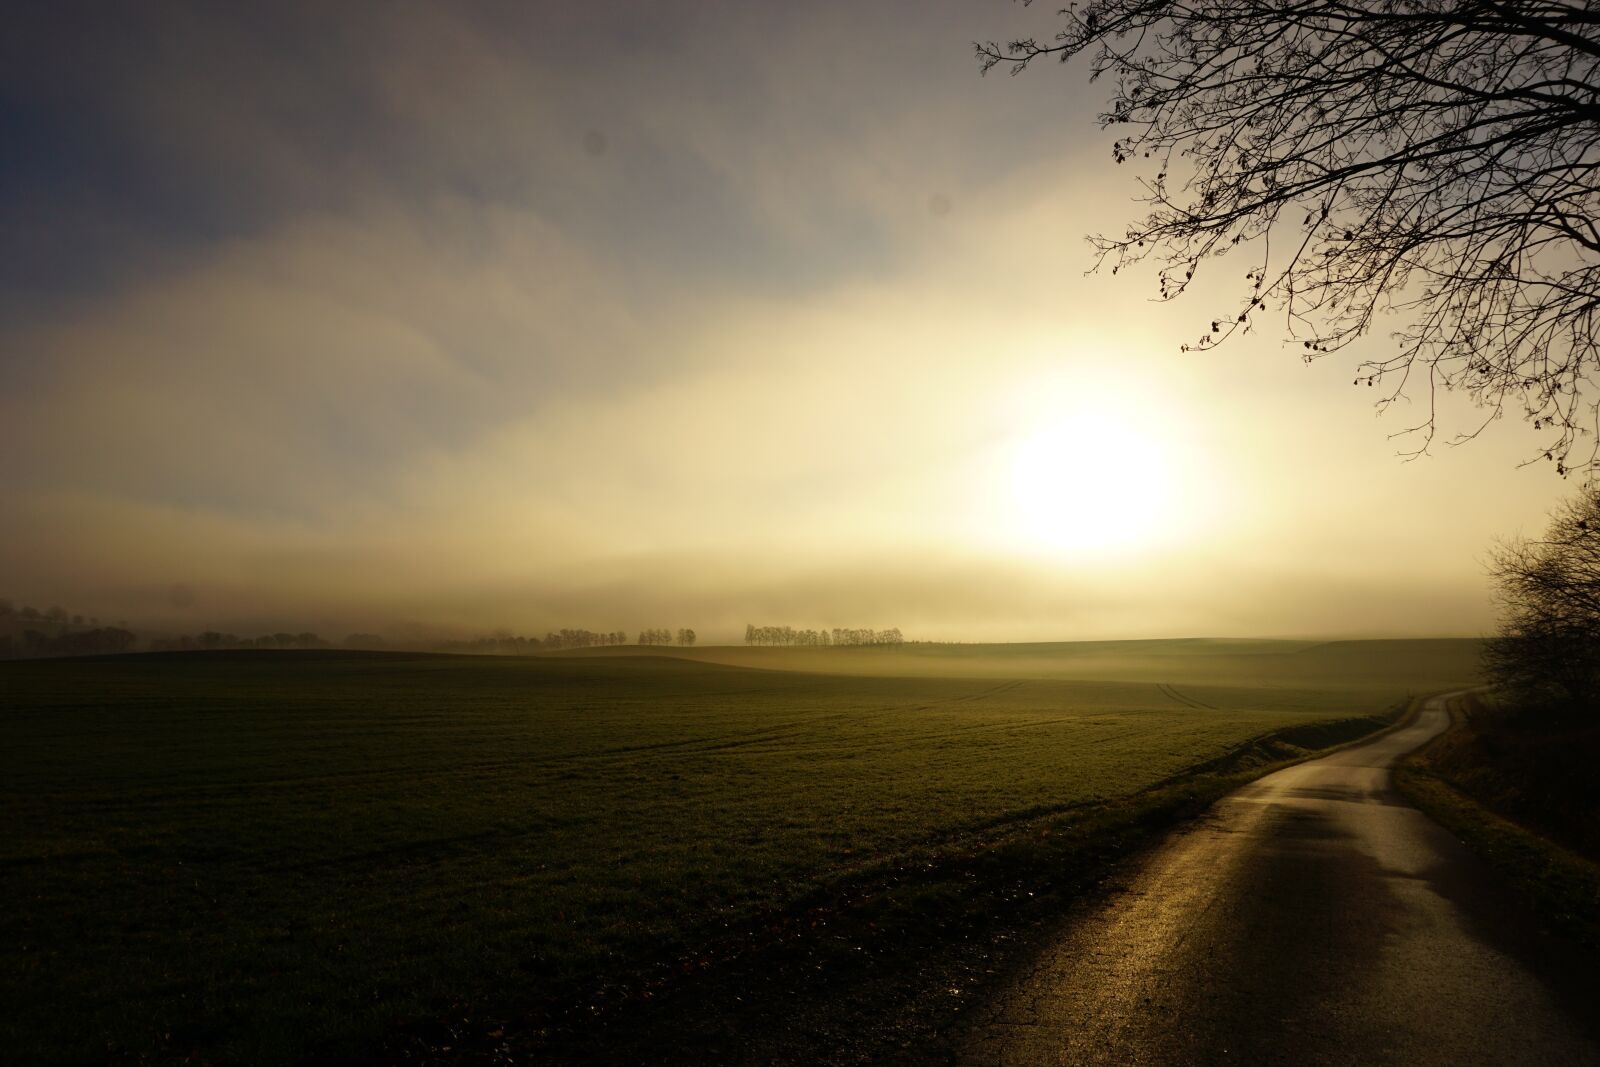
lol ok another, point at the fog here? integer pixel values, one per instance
(451, 318)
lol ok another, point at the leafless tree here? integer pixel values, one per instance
(1547, 653)
(1436, 158)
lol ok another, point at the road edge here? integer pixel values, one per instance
(1560, 886)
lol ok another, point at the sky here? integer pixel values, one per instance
(451, 318)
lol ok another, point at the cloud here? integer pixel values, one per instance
(530, 316)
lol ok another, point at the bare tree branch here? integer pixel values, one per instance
(1435, 159)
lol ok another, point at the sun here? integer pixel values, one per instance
(1091, 483)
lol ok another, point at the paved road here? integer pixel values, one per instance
(1312, 918)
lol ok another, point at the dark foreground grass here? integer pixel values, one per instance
(879, 966)
(1522, 793)
(259, 857)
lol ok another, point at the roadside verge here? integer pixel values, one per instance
(1561, 885)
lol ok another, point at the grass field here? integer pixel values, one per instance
(253, 857)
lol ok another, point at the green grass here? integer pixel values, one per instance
(256, 856)
(1320, 669)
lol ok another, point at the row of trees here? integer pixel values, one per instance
(505, 644)
(565, 638)
(787, 635)
(683, 636)
(212, 640)
(55, 617)
(100, 641)
(512, 645)
(56, 633)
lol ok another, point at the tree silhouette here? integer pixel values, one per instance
(1433, 157)
(788, 635)
(1547, 653)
